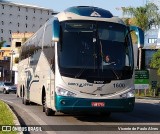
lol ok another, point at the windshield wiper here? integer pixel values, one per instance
(84, 68)
(80, 72)
(115, 73)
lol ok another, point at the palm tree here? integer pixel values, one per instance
(145, 16)
(155, 62)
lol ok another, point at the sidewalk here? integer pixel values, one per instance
(152, 100)
(148, 98)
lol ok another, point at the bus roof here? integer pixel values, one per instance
(87, 13)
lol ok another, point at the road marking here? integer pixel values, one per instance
(6, 101)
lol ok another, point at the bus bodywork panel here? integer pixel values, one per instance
(110, 97)
(64, 16)
(91, 90)
(33, 79)
(70, 104)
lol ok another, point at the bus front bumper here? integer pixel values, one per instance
(71, 104)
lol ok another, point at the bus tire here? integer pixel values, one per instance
(43, 103)
(48, 111)
(17, 95)
(25, 101)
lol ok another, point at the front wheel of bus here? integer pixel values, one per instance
(47, 110)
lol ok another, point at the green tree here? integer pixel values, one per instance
(1, 43)
(155, 61)
(144, 17)
(131, 21)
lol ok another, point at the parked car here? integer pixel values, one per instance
(7, 87)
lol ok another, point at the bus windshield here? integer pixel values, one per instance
(95, 50)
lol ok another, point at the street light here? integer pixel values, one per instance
(11, 63)
(2, 51)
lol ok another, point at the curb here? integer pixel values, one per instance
(155, 101)
(16, 121)
(148, 98)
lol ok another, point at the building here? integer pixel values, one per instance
(152, 44)
(5, 53)
(152, 40)
(151, 36)
(5, 73)
(21, 18)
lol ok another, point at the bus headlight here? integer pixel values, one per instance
(63, 92)
(128, 94)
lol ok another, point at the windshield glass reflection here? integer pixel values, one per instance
(94, 49)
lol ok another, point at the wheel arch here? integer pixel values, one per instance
(43, 94)
(23, 91)
(20, 91)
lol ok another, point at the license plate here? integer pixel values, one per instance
(98, 104)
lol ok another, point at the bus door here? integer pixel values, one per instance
(50, 89)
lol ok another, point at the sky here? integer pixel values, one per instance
(60, 5)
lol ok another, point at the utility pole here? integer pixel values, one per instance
(2, 51)
(140, 58)
(11, 64)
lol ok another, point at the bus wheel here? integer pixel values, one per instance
(44, 103)
(17, 95)
(24, 100)
(47, 110)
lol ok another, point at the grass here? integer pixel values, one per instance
(6, 117)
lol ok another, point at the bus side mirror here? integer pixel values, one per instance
(140, 35)
(56, 30)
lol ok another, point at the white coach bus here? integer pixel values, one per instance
(81, 60)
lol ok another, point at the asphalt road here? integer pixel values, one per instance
(146, 114)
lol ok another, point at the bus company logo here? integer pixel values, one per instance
(80, 84)
(98, 82)
(95, 14)
(6, 128)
